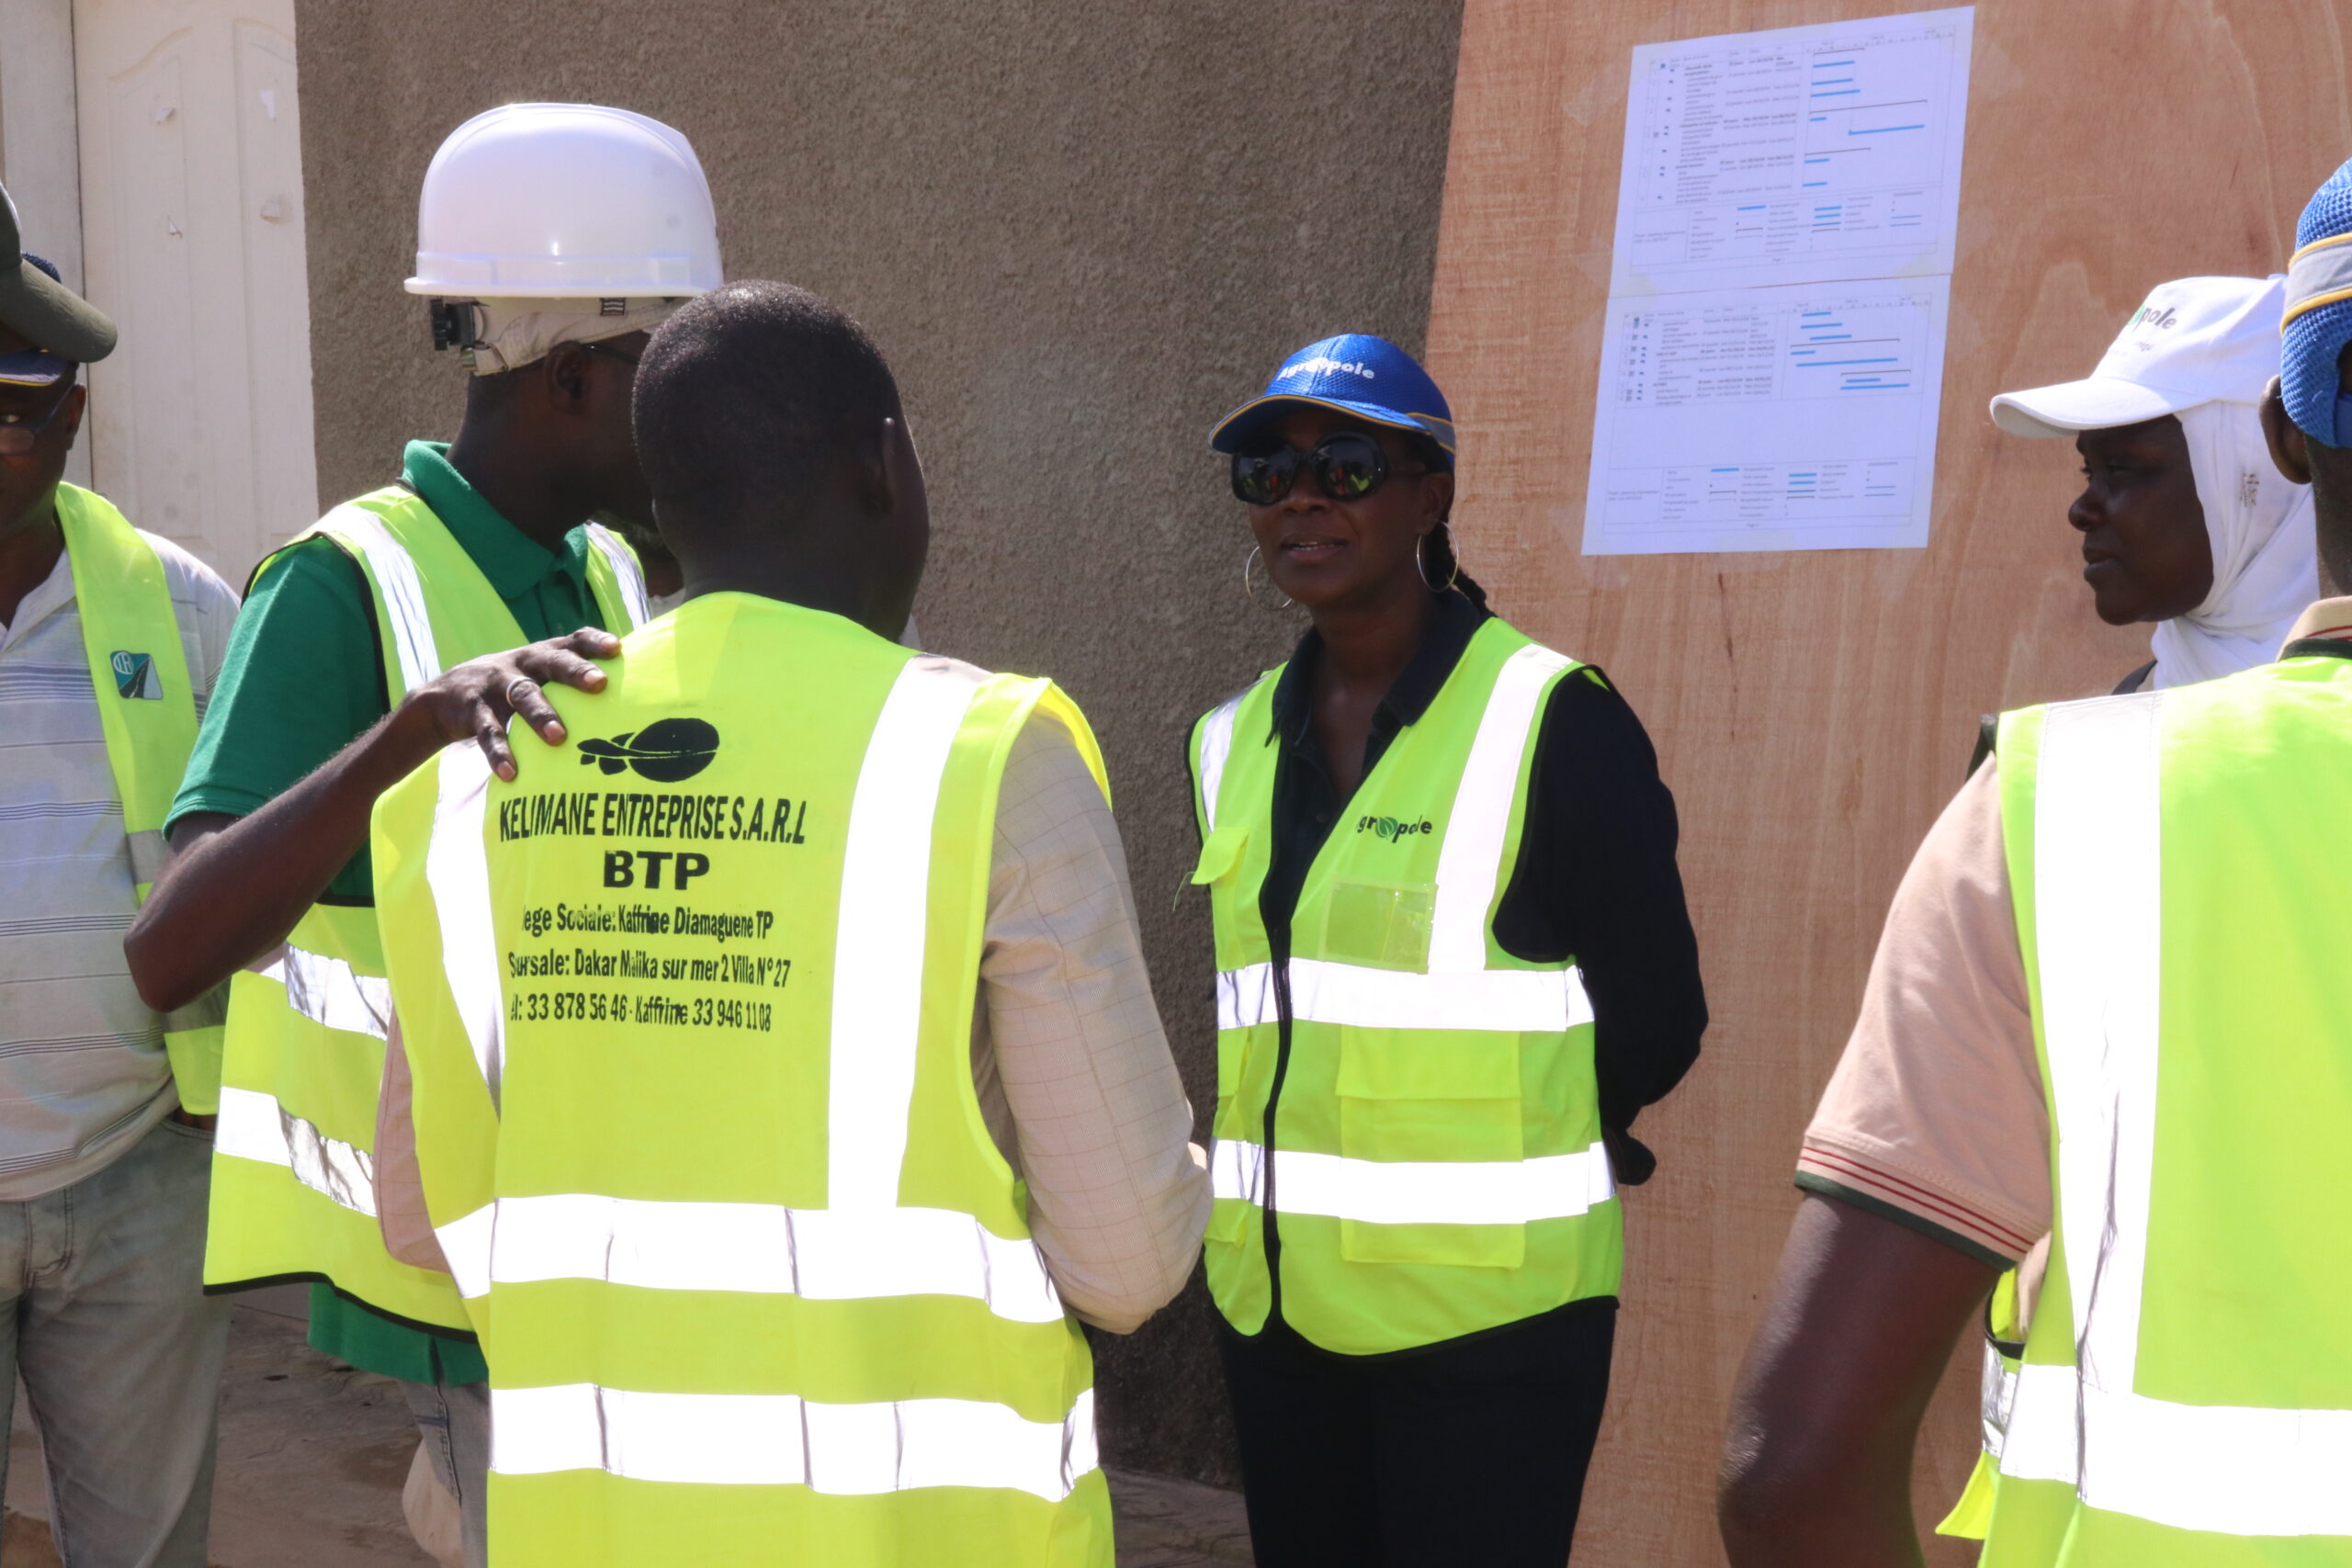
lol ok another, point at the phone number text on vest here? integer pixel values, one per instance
(606, 943)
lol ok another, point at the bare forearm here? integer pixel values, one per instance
(1854, 1514)
(235, 886)
(1816, 1465)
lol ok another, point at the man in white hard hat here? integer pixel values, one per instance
(551, 238)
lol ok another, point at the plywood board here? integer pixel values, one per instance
(1813, 712)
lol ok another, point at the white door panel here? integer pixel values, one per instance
(192, 219)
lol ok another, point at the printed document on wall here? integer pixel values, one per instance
(1772, 357)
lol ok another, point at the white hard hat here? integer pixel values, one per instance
(560, 201)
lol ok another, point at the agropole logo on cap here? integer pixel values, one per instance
(668, 750)
(1324, 362)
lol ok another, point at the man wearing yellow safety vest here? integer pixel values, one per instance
(109, 639)
(2122, 940)
(551, 237)
(751, 1092)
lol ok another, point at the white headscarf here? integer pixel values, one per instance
(2266, 570)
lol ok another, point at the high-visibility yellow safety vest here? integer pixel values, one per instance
(293, 1169)
(147, 712)
(1426, 1152)
(2185, 1393)
(689, 1025)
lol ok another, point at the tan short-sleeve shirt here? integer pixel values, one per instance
(1935, 1116)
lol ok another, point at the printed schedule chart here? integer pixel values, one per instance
(1774, 416)
(1773, 353)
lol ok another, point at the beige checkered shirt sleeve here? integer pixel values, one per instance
(1068, 1053)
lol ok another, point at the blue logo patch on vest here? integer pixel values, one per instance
(134, 675)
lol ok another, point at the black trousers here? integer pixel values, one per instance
(1471, 1452)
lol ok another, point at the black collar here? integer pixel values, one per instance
(1456, 622)
(2319, 646)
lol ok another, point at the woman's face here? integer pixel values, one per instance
(2146, 551)
(1327, 553)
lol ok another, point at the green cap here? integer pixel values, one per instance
(41, 309)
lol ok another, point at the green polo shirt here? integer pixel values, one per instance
(303, 679)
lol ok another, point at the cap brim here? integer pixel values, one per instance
(33, 367)
(49, 315)
(1259, 412)
(2101, 403)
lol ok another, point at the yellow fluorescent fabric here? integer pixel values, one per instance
(293, 1167)
(2185, 1391)
(1434, 1163)
(147, 712)
(689, 1018)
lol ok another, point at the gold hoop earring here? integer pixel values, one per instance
(1250, 588)
(1421, 559)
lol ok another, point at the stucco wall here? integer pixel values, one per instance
(1080, 232)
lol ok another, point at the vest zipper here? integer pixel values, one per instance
(1279, 946)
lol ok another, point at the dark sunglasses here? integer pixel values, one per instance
(1348, 466)
(19, 435)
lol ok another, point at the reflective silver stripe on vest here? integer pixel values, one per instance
(2098, 929)
(147, 851)
(1527, 1000)
(1216, 745)
(1996, 1393)
(1470, 856)
(395, 577)
(328, 991)
(821, 1254)
(254, 1126)
(878, 948)
(781, 1440)
(457, 870)
(1412, 1192)
(624, 572)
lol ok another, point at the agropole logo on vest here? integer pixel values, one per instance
(1391, 828)
(668, 750)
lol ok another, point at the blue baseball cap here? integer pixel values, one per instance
(2318, 317)
(1356, 374)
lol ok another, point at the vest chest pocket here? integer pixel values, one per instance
(1384, 924)
(1220, 856)
(1445, 1097)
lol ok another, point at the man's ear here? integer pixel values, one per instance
(563, 375)
(2287, 445)
(878, 456)
(76, 402)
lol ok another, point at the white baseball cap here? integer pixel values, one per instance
(2198, 340)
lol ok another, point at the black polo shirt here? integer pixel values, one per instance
(1596, 878)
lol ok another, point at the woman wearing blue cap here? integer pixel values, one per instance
(1454, 965)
